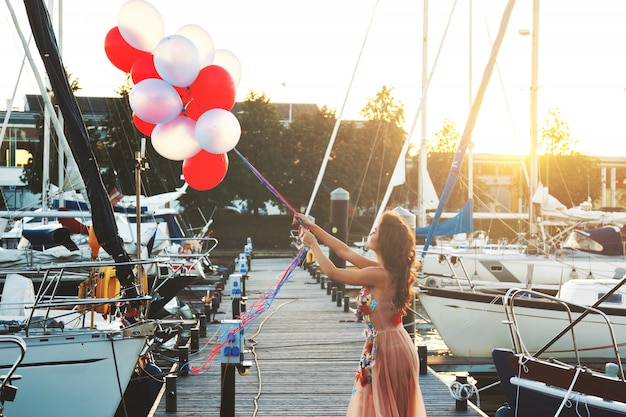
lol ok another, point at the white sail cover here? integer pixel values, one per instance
(554, 212)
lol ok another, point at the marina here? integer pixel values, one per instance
(173, 328)
(303, 354)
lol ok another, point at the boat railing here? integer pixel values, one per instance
(47, 298)
(190, 247)
(8, 391)
(454, 263)
(514, 294)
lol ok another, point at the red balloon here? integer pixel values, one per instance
(143, 126)
(143, 68)
(119, 52)
(205, 170)
(214, 88)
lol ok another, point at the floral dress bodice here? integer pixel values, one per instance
(365, 307)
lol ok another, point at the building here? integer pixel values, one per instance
(501, 173)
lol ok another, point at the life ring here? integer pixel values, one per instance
(107, 286)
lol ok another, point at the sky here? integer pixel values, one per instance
(339, 53)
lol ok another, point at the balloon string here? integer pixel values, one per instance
(265, 182)
(249, 316)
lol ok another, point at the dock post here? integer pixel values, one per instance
(422, 352)
(346, 304)
(195, 340)
(339, 204)
(183, 359)
(333, 294)
(339, 298)
(461, 403)
(170, 393)
(202, 325)
(227, 402)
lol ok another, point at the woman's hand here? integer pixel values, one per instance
(303, 220)
(309, 239)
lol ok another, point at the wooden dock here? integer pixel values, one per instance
(303, 352)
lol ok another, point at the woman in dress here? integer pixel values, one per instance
(387, 380)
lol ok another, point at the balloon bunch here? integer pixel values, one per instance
(183, 90)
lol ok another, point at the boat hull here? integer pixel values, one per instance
(471, 324)
(74, 364)
(538, 389)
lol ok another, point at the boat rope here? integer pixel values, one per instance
(117, 374)
(567, 394)
(256, 361)
(460, 391)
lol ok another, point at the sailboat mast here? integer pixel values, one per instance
(423, 155)
(533, 119)
(471, 121)
(333, 136)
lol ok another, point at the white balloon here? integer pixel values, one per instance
(140, 24)
(202, 40)
(229, 61)
(176, 60)
(217, 131)
(155, 101)
(175, 139)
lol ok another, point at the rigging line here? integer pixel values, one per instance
(363, 175)
(7, 115)
(333, 136)
(471, 121)
(400, 162)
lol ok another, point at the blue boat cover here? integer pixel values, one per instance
(463, 222)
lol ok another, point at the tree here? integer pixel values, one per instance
(309, 134)
(441, 151)
(446, 139)
(571, 177)
(264, 145)
(364, 159)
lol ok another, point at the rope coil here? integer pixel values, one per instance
(463, 392)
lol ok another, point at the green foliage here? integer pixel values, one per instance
(555, 136)
(446, 139)
(309, 134)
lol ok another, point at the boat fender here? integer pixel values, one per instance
(504, 411)
(107, 286)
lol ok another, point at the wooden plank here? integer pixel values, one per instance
(304, 352)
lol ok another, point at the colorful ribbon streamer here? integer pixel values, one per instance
(261, 304)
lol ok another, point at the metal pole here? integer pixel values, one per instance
(227, 404)
(339, 199)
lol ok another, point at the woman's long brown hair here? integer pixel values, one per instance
(396, 250)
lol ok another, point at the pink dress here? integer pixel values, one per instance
(387, 380)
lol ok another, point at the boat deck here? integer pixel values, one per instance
(303, 352)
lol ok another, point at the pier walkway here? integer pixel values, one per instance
(304, 351)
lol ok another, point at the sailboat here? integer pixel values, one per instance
(536, 385)
(78, 371)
